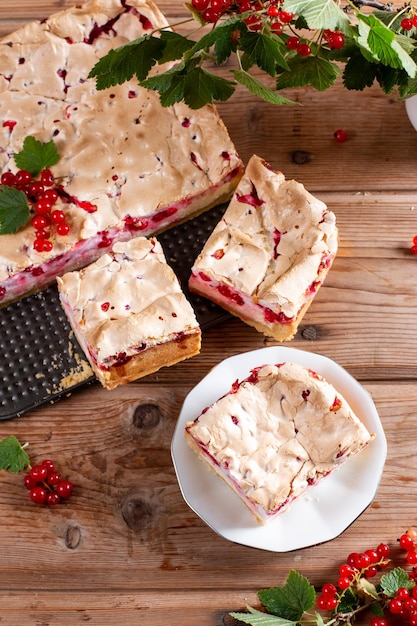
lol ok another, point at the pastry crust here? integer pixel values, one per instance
(275, 435)
(127, 166)
(269, 254)
(129, 314)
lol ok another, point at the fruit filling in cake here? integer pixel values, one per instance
(267, 257)
(127, 166)
(128, 312)
(276, 434)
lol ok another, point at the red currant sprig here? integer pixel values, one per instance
(45, 484)
(42, 195)
(408, 542)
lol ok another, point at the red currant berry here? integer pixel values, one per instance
(29, 482)
(38, 495)
(53, 478)
(329, 589)
(57, 216)
(370, 571)
(373, 555)
(47, 178)
(8, 179)
(304, 50)
(243, 6)
(414, 20)
(43, 206)
(50, 465)
(42, 245)
(39, 222)
(63, 228)
(41, 233)
(38, 473)
(335, 40)
(22, 178)
(277, 28)
(402, 593)
(292, 43)
(347, 571)
(412, 557)
(340, 135)
(406, 542)
(326, 603)
(414, 592)
(53, 498)
(51, 195)
(343, 582)
(383, 550)
(378, 621)
(253, 22)
(362, 560)
(210, 16)
(407, 23)
(35, 188)
(64, 488)
(285, 17)
(395, 606)
(273, 11)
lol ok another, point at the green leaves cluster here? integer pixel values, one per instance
(291, 604)
(376, 49)
(34, 157)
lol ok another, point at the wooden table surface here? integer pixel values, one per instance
(126, 549)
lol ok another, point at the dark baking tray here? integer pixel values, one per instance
(41, 361)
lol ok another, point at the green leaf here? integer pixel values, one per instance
(258, 618)
(121, 64)
(319, 13)
(291, 600)
(175, 46)
(359, 72)
(368, 588)
(263, 51)
(257, 88)
(14, 210)
(12, 455)
(349, 601)
(394, 580)
(314, 71)
(36, 156)
(222, 39)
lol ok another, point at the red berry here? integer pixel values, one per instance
(29, 482)
(62, 228)
(285, 17)
(383, 550)
(38, 495)
(328, 589)
(373, 555)
(38, 472)
(40, 221)
(370, 571)
(395, 606)
(292, 43)
(276, 27)
(43, 206)
(53, 498)
(362, 560)
(50, 465)
(53, 478)
(8, 179)
(22, 178)
(378, 621)
(200, 5)
(57, 216)
(51, 195)
(304, 50)
(326, 603)
(414, 20)
(412, 557)
(64, 488)
(273, 11)
(347, 571)
(42, 245)
(407, 23)
(406, 542)
(210, 16)
(402, 593)
(35, 188)
(340, 135)
(47, 178)
(343, 582)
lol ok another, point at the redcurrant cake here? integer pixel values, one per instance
(276, 434)
(267, 257)
(128, 312)
(127, 166)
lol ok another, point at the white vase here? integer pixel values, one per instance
(411, 108)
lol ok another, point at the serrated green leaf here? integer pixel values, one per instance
(258, 618)
(368, 588)
(262, 50)
(12, 455)
(14, 210)
(291, 600)
(257, 88)
(175, 46)
(202, 87)
(394, 580)
(359, 72)
(349, 601)
(319, 13)
(314, 71)
(36, 155)
(121, 64)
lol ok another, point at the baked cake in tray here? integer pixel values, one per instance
(276, 434)
(127, 165)
(128, 312)
(267, 257)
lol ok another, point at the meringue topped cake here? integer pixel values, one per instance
(276, 434)
(128, 312)
(127, 166)
(267, 257)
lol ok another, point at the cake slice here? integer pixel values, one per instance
(276, 434)
(127, 166)
(128, 312)
(267, 257)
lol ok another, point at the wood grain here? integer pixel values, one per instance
(126, 549)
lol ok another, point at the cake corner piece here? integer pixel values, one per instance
(275, 435)
(267, 257)
(129, 314)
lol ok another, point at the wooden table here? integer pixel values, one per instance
(126, 549)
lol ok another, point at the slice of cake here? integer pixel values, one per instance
(127, 165)
(128, 312)
(269, 254)
(275, 434)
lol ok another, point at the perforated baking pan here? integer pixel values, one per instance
(41, 361)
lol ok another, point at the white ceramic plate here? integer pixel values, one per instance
(326, 510)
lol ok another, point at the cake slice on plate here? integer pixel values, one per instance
(128, 312)
(276, 434)
(127, 166)
(267, 257)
